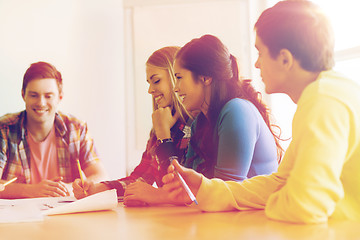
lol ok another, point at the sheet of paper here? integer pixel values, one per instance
(20, 213)
(34, 209)
(29, 209)
(106, 200)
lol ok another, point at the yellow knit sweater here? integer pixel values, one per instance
(318, 177)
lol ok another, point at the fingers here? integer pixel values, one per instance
(131, 199)
(87, 185)
(55, 194)
(79, 194)
(165, 110)
(128, 192)
(63, 187)
(177, 193)
(168, 178)
(171, 167)
(133, 202)
(162, 122)
(177, 166)
(77, 184)
(172, 186)
(57, 189)
(79, 189)
(133, 188)
(171, 183)
(51, 191)
(131, 185)
(57, 179)
(133, 195)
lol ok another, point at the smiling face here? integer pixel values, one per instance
(270, 69)
(41, 99)
(190, 91)
(159, 86)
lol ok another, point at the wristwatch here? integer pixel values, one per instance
(165, 140)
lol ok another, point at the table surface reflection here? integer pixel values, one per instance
(173, 222)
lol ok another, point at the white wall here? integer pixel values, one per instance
(84, 39)
(87, 41)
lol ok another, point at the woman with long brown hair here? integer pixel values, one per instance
(232, 137)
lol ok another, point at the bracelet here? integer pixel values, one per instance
(161, 141)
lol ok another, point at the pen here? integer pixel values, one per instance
(10, 181)
(183, 183)
(80, 173)
(2, 186)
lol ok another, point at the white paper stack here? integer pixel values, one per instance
(20, 213)
(106, 200)
(34, 209)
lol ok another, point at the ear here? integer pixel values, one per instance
(206, 80)
(286, 59)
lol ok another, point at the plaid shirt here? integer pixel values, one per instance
(72, 141)
(149, 168)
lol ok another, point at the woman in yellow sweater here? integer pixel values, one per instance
(318, 177)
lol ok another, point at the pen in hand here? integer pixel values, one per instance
(183, 183)
(10, 181)
(81, 176)
(2, 186)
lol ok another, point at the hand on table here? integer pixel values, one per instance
(140, 194)
(48, 188)
(79, 189)
(89, 188)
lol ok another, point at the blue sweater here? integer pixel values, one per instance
(246, 147)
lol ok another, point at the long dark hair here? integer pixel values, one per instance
(208, 56)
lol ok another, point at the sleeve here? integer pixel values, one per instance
(247, 195)
(177, 149)
(3, 151)
(146, 171)
(313, 188)
(238, 130)
(307, 185)
(88, 154)
(165, 152)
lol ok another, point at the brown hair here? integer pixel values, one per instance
(208, 56)
(41, 70)
(301, 28)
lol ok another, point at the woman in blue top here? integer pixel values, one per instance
(232, 137)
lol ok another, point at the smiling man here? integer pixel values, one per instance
(40, 145)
